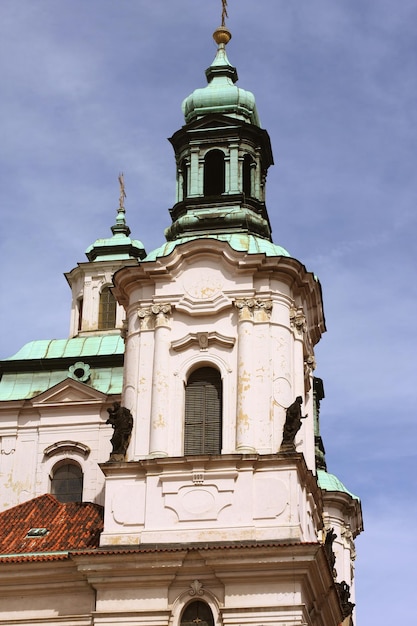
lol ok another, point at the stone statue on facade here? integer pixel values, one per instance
(328, 548)
(343, 590)
(292, 425)
(121, 420)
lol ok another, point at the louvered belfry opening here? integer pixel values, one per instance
(197, 614)
(203, 412)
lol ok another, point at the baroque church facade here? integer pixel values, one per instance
(164, 464)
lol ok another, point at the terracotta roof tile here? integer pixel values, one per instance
(69, 526)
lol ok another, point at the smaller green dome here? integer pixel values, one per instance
(221, 94)
(118, 247)
(330, 482)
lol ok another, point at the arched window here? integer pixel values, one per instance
(184, 171)
(107, 310)
(247, 175)
(203, 412)
(197, 614)
(214, 177)
(67, 482)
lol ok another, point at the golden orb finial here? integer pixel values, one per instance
(222, 35)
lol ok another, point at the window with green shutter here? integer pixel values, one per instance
(203, 412)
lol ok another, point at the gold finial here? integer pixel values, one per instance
(222, 34)
(122, 191)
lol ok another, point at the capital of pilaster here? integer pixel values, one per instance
(250, 308)
(298, 320)
(310, 364)
(154, 316)
(347, 536)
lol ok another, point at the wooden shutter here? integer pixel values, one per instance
(203, 412)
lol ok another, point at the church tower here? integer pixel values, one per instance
(220, 480)
(185, 401)
(94, 308)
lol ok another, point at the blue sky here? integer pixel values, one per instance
(94, 87)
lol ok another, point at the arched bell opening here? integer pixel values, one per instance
(184, 179)
(214, 173)
(247, 176)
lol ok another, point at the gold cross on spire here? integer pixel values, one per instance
(224, 12)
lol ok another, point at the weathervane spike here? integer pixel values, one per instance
(122, 191)
(224, 12)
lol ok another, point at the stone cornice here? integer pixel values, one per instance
(285, 269)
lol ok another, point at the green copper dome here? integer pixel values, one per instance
(330, 482)
(241, 242)
(120, 246)
(221, 94)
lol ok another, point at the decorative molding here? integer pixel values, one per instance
(214, 304)
(196, 588)
(80, 371)
(198, 478)
(204, 340)
(193, 500)
(67, 446)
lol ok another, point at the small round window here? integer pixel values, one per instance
(80, 371)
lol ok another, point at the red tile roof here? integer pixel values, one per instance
(69, 526)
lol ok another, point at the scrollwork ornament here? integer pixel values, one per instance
(196, 588)
(157, 309)
(266, 305)
(245, 303)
